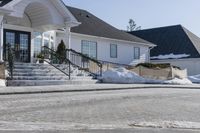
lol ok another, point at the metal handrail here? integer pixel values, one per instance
(84, 62)
(48, 54)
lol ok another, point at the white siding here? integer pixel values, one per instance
(192, 65)
(125, 50)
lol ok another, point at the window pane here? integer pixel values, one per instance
(89, 48)
(113, 51)
(136, 53)
(10, 39)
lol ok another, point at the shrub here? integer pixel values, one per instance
(61, 50)
(149, 65)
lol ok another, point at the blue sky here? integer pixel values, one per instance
(146, 13)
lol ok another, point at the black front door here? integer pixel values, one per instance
(20, 43)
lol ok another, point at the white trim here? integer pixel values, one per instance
(15, 27)
(84, 35)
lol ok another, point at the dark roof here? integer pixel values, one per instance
(172, 39)
(4, 2)
(91, 25)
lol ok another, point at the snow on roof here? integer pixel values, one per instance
(170, 56)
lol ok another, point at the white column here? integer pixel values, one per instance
(1, 37)
(67, 37)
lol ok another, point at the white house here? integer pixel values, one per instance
(29, 24)
(175, 45)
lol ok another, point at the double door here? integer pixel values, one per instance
(19, 42)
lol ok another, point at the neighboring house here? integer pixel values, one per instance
(175, 45)
(29, 24)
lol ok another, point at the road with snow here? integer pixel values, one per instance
(140, 110)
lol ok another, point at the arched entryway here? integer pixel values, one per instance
(29, 16)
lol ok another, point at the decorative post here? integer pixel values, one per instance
(1, 38)
(68, 39)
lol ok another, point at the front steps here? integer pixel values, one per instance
(27, 74)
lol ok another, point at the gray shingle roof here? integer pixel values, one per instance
(4, 2)
(91, 25)
(172, 39)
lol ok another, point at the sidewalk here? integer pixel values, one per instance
(82, 88)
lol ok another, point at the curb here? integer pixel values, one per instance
(93, 90)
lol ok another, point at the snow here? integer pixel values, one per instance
(124, 76)
(2, 82)
(170, 56)
(168, 124)
(177, 81)
(121, 75)
(195, 79)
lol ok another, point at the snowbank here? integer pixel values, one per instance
(124, 76)
(168, 124)
(170, 56)
(121, 76)
(2, 82)
(177, 81)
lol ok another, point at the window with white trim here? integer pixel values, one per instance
(113, 50)
(89, 48)
(37, 43)
(136, 53)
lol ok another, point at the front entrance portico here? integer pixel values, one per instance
(25, 17)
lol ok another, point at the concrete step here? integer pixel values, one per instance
(40, 78)
(49, 82)
(36, 70)
(30, 74)
(37, 74)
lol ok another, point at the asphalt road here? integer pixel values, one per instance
(140, 110)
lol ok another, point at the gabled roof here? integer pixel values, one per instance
(172, 39)
(91, 25)
(4, 2)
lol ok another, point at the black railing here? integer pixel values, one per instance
(10, 57)
(60, 63)
(84, 62)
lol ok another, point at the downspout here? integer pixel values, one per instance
(149, 59)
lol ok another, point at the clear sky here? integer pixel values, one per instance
(146, 13)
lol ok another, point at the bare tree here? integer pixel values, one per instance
(133, 26)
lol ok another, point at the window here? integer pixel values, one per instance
(136, 53)
(89, 48)
(113, 50)
(37, 43)
(46, 43)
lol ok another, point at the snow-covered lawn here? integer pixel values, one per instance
(124, 76)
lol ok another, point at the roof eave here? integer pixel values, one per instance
(146, 44)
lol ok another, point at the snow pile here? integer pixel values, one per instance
(121, 76)
(177, 81)
(195, 79)
(124, 76)
(170, 56)
(2, 82)
(168, 124)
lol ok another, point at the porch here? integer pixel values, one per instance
(27, 25)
